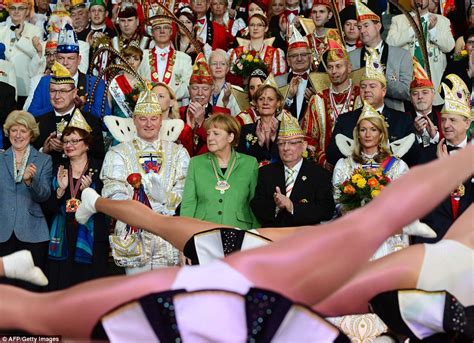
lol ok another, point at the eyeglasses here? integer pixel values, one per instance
(257, 25)
(53, 92)
(73, 142)
(302, 55)
(290, 143)
(18, 9)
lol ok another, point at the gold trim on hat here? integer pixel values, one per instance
(147, 104)
(78, 121)
(456, 99)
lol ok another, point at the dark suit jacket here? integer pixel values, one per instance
(293, 108)
(248, 144)
(460, 69)
(47, 125)
(311, 196)
(7, 104)
(400, 125)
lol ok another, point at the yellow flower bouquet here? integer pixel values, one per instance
(247, 62)
(361, 187)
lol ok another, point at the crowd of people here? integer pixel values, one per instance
(265, 121)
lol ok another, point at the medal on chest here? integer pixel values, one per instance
(72, 204)
(149, 161)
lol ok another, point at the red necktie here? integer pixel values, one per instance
(288, 12)
(201, 21)
(304, 76)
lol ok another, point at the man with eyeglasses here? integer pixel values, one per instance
(62, 93)
(211, 34)
(17, 38)
(342, 96)
(79, 16)
(163, 63)
(194, 135)
(299, 62)
(68, 55)
(295, 191)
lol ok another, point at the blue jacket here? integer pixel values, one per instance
(20, 209)
(41, 103)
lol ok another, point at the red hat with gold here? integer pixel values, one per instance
(336, 51)
(326, 3)
(296, 39)
(420, 77)
(365, 13)
(201, 72)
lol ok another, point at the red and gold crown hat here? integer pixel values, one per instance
(289, 128)
(201, 72)
(337, 51)
(420, 77)
(296, 39)
(326, 3)
(9, 2)
(364, 13)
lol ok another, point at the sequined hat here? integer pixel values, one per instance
(326, 3)
(201, 72)
(78, 121)
(296, 39)
(77, 4)
(97, 3)
(374, 69)
(67, 41)
(147, 104)
(289, 128)
(369, 112)
(9, 2)
(337, 51)
(420, 78)
(365, 13)
(456, 99)
(61, 76)
(160, 19)
(60, 10)
(127, 10)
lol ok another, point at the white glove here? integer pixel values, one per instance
(419, 229)
(20, 266)
(87, 207)
(158, 190)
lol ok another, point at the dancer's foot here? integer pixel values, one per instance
(87, 208)
(20, 266)
(419, 229)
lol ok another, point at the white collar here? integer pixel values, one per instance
(460, 145)
(76, 78)
(162, 50)
(380, 109)
(145, 145)
(296, 168)
(101, 27)
(418, 114)
(57, 114)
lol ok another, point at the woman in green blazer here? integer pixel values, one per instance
(220, 184)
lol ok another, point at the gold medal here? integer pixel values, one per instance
(459, 192)
(222, 186)
(72, 205)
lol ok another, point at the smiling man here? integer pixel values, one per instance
(162, 165)
(62, 93)
(295, 191)
(373, 88)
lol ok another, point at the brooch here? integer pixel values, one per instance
(303, 201)
(251, 138)
(303, 178)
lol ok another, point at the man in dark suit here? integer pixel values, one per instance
(51, 124)
(373, 88)
(299, 62)
(295, 191)
(455, 121)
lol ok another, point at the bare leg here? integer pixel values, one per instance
(395, 271)
(88, 301)
(316, 262)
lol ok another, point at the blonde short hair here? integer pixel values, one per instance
(23, 118)
(224, 122)
(174, 110)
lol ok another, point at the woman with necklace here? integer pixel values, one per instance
(25, 179)
(77, 252)
(259, 139)
(274, 58)
(220, 184)
(221, 94)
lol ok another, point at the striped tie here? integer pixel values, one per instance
(290, 181)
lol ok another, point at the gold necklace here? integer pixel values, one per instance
(223, 185)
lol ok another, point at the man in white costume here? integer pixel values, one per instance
(163, 166)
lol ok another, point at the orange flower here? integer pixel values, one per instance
(372, 182)
(349, 189)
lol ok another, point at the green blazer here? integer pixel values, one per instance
(202, 201)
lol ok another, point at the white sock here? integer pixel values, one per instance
(87, 208)
(20, 266)
(419, 229)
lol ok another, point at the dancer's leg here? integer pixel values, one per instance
(74, 312)
(395, 271)
(176, 230)
(316, 262)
